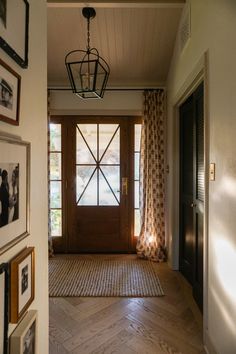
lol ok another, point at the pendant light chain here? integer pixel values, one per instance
(88, 35)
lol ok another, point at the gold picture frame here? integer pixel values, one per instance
(22, 280)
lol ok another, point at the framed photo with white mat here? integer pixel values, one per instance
(24, 338)
(14, 190)
(22, 283)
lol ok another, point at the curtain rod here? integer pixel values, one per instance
(113, 89)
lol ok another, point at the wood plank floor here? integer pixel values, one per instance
(108, 325)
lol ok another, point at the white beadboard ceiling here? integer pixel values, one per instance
(135, 38)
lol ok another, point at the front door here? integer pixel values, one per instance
(98, 208)
(98, 186)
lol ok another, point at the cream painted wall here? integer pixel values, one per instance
(213, 29)
(33, 128)
(113, 103)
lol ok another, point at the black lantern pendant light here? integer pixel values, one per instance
(88, 72)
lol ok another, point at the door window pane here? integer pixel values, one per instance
(90, 194)
(137, 137)
(55, 137)
(112, 154)
(83, 175)
(106, 197)
(55, 179)
(85, 153)
(136, 194)
(56, 222)
(55, 165)
(137, 225)
(55, 194)
(137, 141)
(136, 165)
(110, 142)
(112, 174)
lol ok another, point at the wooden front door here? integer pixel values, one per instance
(192, 191)
(97, 186)
(94, 183)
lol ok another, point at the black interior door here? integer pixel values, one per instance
(198, 200)
(186, 189)
(192, 192)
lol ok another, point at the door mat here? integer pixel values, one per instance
(97, 277)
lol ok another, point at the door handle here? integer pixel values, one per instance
(193, 205)
(124, 185)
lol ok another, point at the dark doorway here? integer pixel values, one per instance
(192, 191)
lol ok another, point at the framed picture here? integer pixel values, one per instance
(4, 288)
(24, 338)
(22, 270)
(14, 191)
(14, 29)
(9, 94)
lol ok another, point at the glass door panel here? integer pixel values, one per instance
(84, 175)
(89, 194)
(98, 164)
(137, 143)
(55, 179)
(107, 132)
(86, 149)
(106, 194)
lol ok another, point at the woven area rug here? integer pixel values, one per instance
(76, 277)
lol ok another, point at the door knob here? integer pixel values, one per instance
(193, 205)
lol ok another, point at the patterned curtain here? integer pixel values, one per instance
(151, 242)
(50, 244)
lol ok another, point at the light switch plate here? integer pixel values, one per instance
(212, 171)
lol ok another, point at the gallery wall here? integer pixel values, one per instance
(212, 31)
(33, 128)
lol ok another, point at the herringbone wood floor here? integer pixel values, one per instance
(126, 325)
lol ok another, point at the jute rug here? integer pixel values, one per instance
(97, 277)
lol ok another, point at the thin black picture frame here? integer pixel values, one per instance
(4, 269)
(8, 48)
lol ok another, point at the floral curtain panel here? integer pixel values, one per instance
(151, 242)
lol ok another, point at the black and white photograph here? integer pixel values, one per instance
(24, 279)
(29, 340)
(3, 12)
(14, 190)
(9, 94)
(9, 193)
(6, 94)
(24, 339)
(14, 30)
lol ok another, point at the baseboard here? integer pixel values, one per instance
(208, 346)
